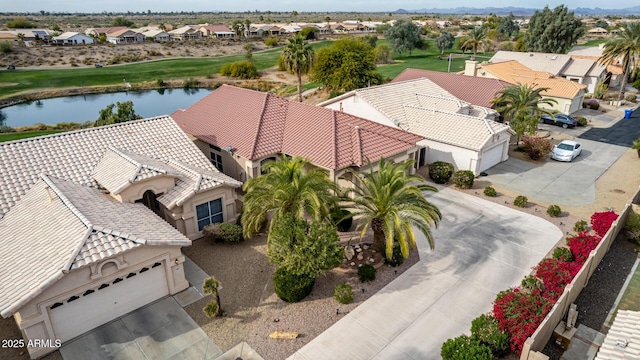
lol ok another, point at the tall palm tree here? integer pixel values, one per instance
(212, 286)
(521, 104)
(392, 203)
(625, 45)
(297, 57)
(289, 186)
(475, 38)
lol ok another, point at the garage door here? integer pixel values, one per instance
(107, 301)
(491, 157)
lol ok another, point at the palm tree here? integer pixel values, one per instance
(212, 286)
(625, 45)
(289, 186)
(475, 38)
(297, 57)
(521, 103)
(392, 203)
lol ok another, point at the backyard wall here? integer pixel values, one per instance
(539, 339)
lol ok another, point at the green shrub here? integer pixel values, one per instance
(520, 201)
(633, 226)
(630, 97)
(366, 273)
(292, 288)
(463, 179)
(531, 283)
(554, 210)
(309, 33)
(636, 84)
(580, 226)
(271, 41)
(240, 70)
(343, 293)
(582, 121)
(594, 105)
(465, 348)
(537, 148)
(6, 47)
(160, 83)
(563, 254)
(190, 83)
(485, 329)
(396, 257)
(342, 219)
(490, 192)
(440, 171)
(224, 232)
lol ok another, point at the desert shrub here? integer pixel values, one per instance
(485, 329)
(240, 70)
(160, 83)
(190, 83)
(271, 41)
(343, 293)
(224, 232)
(440, 171)
(342, 219)
(636, 83)
(520, 201)
(465, 348)
(537, 148)
(601, 221)
(490, 192)
(292, 288)
(531, 283)
(519, 313)
(463, 179)
(562, 254)
(632, 226)
(580, 226)
(556, 275)
(581, 246)
(593, 104)
(396, 257)
(630, 97)
(582, 121)
(6, 129)
(366, 273)
(554, 210)
(6, 47)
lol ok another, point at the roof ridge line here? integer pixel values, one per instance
(65, 200)
(257, 134)
(443, 112)
(335, 138)
(135, 162)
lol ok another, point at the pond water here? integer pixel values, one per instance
(81, 108)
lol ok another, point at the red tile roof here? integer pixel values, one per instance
(259, 124)
(475, 90)
(217, 28)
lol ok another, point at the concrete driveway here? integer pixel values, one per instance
(481, 249)
(560, 183)
(160, 330)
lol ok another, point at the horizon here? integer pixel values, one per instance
(241, 6)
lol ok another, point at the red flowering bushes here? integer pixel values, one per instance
(537, 148)
(601, 221)
(556, 275)
(519, 313)
(581, 246)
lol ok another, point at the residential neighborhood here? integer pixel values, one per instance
(384, 185)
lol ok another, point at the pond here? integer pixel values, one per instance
(81, 108)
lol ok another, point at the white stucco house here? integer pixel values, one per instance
(454, 131)
(73, 38)
(92, 223)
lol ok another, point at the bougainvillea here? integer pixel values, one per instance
(556, 275)
(519, 313)
(601, 221)
(581, 246)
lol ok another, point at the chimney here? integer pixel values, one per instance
(470, 67)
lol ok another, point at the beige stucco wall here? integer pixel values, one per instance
(33, 318)
(157, 184)
(462, 159)
(564, 106)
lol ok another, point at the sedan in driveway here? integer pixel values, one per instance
(567, 150)
(565, 121)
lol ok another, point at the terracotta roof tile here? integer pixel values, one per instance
(257, 124)
(475, 90)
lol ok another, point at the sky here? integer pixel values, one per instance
(283, 5)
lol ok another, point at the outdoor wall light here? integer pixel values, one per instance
(177, 262)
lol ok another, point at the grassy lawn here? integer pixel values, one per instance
(594, 42)
(631, 298)
(24, 135)
(133, 73)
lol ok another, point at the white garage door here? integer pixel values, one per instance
(491, 156)
(107, 301)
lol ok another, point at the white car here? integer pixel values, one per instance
(567, 150)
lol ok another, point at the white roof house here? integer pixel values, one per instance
(622, 342)
(92, 223)
(73, 38)
(455, 131)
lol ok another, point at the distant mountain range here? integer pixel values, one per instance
(518, 11)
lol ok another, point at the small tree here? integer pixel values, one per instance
(445, 41)
(211, 286)
(403, 36)
(125, 112)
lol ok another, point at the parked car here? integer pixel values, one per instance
(98, 65)
(566, 150)
(565, 121)
(11, 67)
